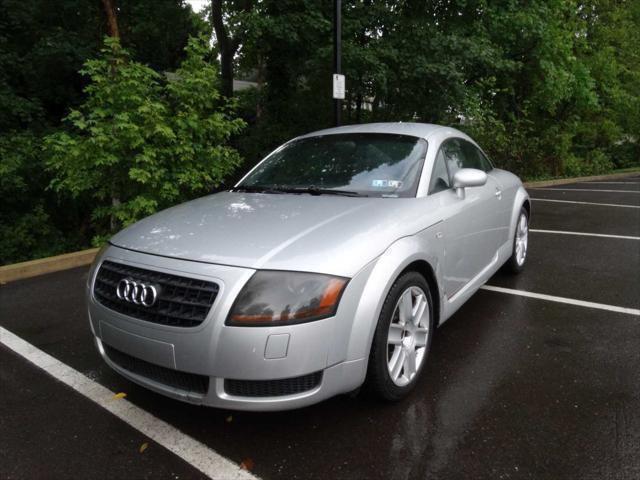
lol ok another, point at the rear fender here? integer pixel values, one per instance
(520, 198)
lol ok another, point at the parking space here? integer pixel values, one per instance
(595, 269)
(575, 217)
(515, 387)
(609, 198)
(48, 431)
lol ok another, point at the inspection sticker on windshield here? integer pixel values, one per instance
(386, 183)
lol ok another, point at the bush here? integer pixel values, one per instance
(626, 154)
(140, 143)
(596, 163)
(26, 229)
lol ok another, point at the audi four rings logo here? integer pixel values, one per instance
(136, 292)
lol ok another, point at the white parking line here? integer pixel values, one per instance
(190, 450)
(610, 183)
(584, 190)
(570, 301)
(585, 203)
(561, 232)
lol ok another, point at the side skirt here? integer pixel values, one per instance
(451, 305)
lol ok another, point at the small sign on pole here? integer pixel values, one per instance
(338, 86)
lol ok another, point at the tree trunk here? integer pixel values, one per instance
(226, 72)
(225, 45)
(112, 19)
(260, 80)
(114, 223)
(359, 108)
(374, 108)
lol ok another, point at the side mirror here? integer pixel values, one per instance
(468, 177)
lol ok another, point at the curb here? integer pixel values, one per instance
(564, 181)
(33, 268)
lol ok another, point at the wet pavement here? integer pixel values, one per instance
(615, 198)
(514, 387)
(49, 431)
(597, 219)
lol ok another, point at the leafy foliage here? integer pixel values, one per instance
(547, 87)
(139, 143)
(43, 45)
(26, 229)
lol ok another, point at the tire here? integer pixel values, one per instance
(414, 335)
(518, 260)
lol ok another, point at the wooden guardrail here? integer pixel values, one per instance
(32, 268)
(563, 181)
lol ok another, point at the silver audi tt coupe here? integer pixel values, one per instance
(329, 265)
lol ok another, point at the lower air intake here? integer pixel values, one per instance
(272, 388)
(188, 382)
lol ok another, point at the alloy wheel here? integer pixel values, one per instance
(408, 336)
(522, 239)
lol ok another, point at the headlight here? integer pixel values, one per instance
(283, 298)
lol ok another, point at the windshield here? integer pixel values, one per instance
(371, 164)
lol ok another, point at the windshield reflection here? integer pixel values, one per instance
(359, 164)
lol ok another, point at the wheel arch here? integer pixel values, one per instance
(421, 253)
(520, 201)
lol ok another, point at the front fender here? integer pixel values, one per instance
(381, 274)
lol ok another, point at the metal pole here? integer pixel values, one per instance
(337, 53)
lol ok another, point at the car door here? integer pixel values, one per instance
(506, 198)
(498, 215)
(468, 224)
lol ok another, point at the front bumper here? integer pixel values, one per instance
(219, 352)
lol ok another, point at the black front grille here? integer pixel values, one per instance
(182, 301)
(189, 382)
(272, 388)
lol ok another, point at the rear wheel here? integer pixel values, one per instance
(402, 338)
(518, 258)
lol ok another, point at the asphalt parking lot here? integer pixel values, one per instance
(527, 380)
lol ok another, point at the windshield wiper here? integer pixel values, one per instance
(257, 189)
(310, 190)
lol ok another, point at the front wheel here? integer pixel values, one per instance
(402, 338)
(518, 258)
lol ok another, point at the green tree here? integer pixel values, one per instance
(139, 143)
(229, 20)
(43, 45)
(157, 31)
(26, 230)
(610, 132)
(548, 87)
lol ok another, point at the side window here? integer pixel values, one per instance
(454, 156)
(486, 162)
(475, 158)
(440, 175)
(459, 153)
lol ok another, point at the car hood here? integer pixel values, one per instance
(325, 234)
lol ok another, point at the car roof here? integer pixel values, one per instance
(422, 130)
